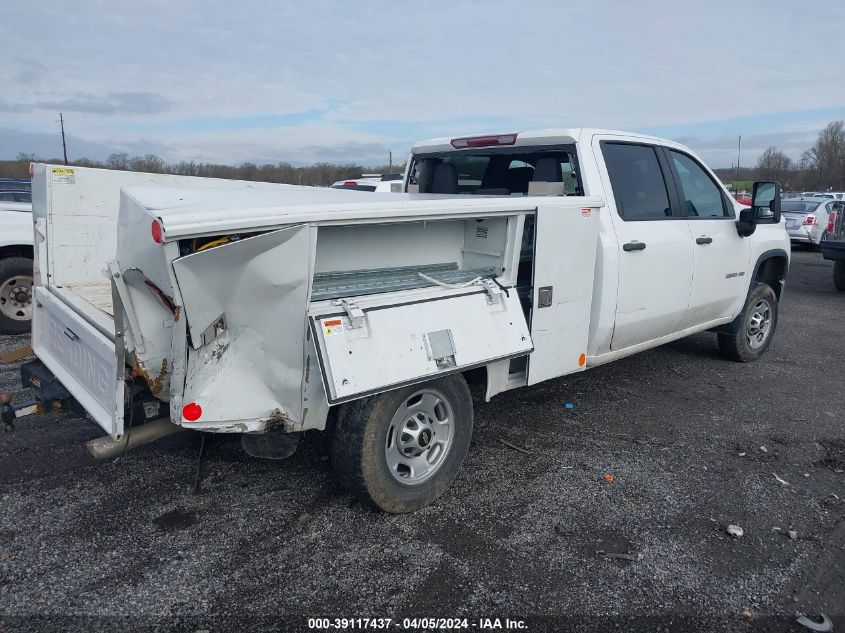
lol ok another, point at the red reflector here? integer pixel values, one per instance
(810, 219)
(484, 141)
(155, 229)
(192, 412)
(831, 222)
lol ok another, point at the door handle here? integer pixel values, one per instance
(634, 246)
(703, 240)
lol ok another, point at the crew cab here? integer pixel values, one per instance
(269, 310)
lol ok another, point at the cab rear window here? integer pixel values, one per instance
(494, 173)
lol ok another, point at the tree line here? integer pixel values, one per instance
(821, 167)
(319, 174)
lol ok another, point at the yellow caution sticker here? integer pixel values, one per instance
(64, 176)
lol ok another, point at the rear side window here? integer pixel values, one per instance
(639, 186)
(700, 196)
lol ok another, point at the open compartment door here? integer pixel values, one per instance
(564, 267)
(388, 346)
(245, 303)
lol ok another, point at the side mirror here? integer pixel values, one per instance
(746, 225)
(765, 203)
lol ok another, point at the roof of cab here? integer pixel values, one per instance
(552, 136)
(191, 211)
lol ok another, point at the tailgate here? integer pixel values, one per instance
(82, 358)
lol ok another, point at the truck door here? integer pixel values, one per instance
(720, 255)
(655, 256)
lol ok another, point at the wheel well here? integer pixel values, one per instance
(16, 251)
(772, 271)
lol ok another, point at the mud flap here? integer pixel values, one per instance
(245, 304)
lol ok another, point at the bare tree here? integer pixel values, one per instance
(825, 160)
(773, 164)
(118, 160)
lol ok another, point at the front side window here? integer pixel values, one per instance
(700, 196)
(639, 187)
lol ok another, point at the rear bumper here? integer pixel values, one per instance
(833, 250)
(801, 235)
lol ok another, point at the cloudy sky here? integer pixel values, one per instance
(268, 81)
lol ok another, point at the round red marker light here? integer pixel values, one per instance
(155, 229)
(192, 412)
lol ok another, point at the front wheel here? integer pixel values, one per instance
(402, 449)
(15, 295)
(757, 324)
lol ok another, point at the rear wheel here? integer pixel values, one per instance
(402, 449)
(839, 275)
(758, 321)
(15, 295)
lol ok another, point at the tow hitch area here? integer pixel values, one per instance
(51, 393)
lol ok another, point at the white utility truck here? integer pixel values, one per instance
(237, 308)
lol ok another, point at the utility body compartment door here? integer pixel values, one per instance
(413, 341)
(246, 306)
(564, 267)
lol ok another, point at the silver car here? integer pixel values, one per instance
(807, 218)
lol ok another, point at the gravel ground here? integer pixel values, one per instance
(88, 545)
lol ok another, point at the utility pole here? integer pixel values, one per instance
(738, 151)
(390, 160)
(64, 145)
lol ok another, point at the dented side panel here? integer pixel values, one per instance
(245, 305)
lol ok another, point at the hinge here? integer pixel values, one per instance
(355, 313)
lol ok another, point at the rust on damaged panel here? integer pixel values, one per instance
(155, 384)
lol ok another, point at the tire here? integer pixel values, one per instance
(839, 275)
(818, 247)
(15, 295)
(750, 341)
(376, 441)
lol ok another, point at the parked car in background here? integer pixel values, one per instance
(390, 183)
(833, 195)
(743, 198)
(15, 200)
(807, 219)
